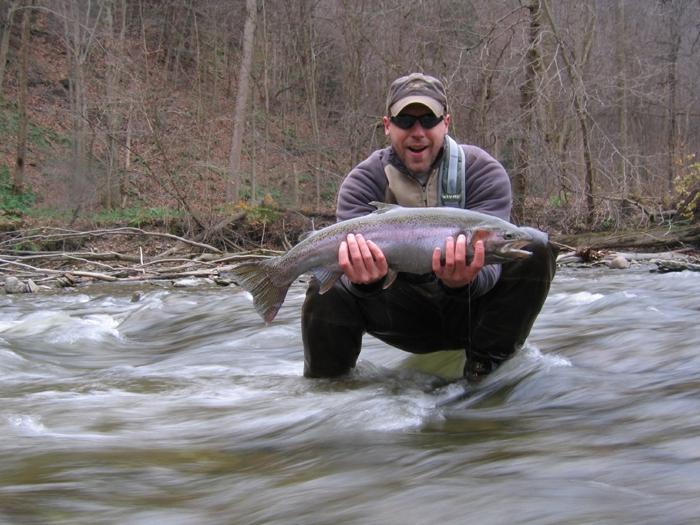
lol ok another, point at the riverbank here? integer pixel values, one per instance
(50, 258)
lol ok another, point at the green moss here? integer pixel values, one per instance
(38, 136)
(11, 202)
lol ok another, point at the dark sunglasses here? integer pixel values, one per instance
(427, 121)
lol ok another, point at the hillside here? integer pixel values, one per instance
(130, 118)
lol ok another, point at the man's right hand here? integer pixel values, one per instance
(362, 261)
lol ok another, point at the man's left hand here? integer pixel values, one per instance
(456, 273)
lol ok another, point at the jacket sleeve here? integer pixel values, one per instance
(488, 185)
(364, 184)
(488, 191)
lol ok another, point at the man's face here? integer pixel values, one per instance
(417, 147)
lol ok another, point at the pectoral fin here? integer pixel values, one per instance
(327, 278)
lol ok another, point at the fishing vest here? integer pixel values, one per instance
(445, 186)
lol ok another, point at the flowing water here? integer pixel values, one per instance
(184, 408)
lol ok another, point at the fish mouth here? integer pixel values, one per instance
(514, 249)
(518, 254)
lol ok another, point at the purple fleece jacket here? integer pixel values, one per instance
(487, 184)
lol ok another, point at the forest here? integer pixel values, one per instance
(195, 113)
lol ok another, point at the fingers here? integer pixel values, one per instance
(455, 256)
(461, 251)
(362, 261)
(343, 255)
(437, 263)
(379, 260)
(450, 255)
(455, 272)
(479, 255)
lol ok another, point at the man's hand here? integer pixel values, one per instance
(362, 261)
(456, 273)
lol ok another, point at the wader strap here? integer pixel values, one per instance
(452, 189)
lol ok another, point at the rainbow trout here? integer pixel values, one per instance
(407, 236)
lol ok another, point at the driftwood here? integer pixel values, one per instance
(156, 256)
(665, 266)
(679, 245)
(60, 234)
(181, 259)
(654, 239)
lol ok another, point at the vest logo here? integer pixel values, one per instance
(451, 196)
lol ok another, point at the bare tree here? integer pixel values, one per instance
(8, 12)
(571, 62)
(674, 11)
(233, 185)
(585, 111)
(80, 30)
(18, 179)
(114, 46)
(528, 101)
(622, 98)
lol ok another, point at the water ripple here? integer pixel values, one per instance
(184, 407)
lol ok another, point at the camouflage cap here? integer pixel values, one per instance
(416, 88)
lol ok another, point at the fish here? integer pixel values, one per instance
(406, 236)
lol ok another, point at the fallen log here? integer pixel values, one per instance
(656, 239)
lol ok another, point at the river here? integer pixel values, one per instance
(184, 408)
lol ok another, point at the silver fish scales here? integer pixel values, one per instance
(406, 236)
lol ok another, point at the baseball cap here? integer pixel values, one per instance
(416, 88)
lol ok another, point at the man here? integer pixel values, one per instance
(487, 310)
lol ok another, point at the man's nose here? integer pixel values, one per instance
(417, 128)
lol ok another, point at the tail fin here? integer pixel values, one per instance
(257, 278)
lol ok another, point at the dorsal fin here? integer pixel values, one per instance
(383, 207)
(306, 235)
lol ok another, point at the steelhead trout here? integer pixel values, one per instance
(407, 236)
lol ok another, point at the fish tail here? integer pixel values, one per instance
(258, 278)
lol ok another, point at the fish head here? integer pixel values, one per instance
(508, 245)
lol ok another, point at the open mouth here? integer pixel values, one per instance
(417, 149)
(515, 249)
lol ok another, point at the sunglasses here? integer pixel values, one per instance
(427, 121)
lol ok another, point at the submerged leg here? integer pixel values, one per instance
(412, 317)
(505, 315)
(332, 329)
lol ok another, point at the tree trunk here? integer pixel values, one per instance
(233, 184)
(266, 87)
(622, 97)
(312, 95)
(18, 178)
(115, 49)
(528, 102)
(5, 41)
(672, 86)
(580, 98)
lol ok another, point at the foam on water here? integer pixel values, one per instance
(25, 425)
(579, 298)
